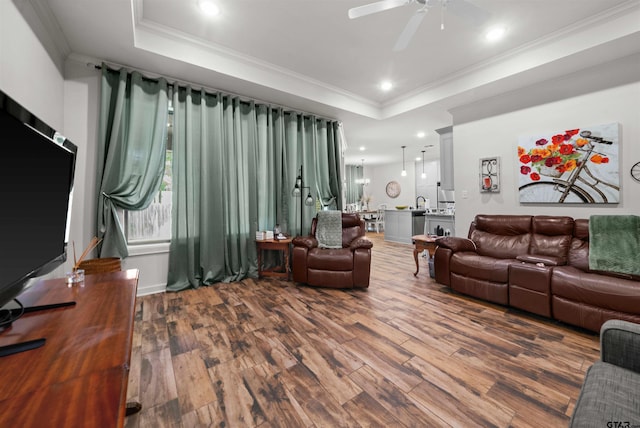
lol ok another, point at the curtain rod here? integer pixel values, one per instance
(174, 80)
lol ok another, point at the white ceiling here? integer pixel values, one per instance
(308, 55)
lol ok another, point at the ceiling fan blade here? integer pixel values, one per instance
(411, 28)
(368, 9)
(467, 10)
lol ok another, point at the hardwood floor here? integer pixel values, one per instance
(405, 352)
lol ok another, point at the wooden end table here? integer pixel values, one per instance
(421, 243)
(283, 245)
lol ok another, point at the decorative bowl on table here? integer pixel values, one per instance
(402, 207)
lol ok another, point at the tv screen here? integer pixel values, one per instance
(36, 181)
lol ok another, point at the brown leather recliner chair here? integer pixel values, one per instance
(346, 267)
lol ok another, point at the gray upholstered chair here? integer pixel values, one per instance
(611, 389)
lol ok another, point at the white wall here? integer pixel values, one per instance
(27, 73)
(380, 175)
(412, 185)
(31, 75)
(498, 136)
(81, 95)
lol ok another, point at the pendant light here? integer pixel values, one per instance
(404, 170)
(364, 180)
(423, 175)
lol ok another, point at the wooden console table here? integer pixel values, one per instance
(79, 377)
(421, 243)
(283, 245)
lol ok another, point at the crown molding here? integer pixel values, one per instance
(578, 37)
(612, 24)
(166, 41)
(50, 25)
(547, 54)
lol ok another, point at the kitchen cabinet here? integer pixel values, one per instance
(446, 158)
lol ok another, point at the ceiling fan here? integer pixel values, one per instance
(459, 7)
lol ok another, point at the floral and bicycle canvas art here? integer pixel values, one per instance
(571, 166)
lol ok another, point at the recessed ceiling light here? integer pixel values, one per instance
(419, 158)
(362, 148)
(495, 34)
(209, 8)
(421, 134)
(386, 85)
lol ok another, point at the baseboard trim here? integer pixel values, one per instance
(151, 289)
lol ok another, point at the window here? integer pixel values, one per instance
(153, 224)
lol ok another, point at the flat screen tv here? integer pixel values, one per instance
(36, 181)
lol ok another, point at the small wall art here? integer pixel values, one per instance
(573, 166)
(490, 174)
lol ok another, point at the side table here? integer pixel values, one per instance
(283, 245)
(421, 243)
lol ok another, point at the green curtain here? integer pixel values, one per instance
(131, 150)
(327, 163)
(234, 168)
(215, 189)
(353, 189)
(298, 154)
(314, 144)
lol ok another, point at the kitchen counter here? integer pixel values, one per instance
(401, 225)
(446, 222)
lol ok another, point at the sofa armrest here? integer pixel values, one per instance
(441, 265)
(455, 243)
(360, 242)
(620, 344)
(305, 241)
(545, 260)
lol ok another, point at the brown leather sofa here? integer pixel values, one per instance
(538, 264)
(346, 267)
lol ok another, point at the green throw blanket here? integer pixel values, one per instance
(614, 243)
(329, 229)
